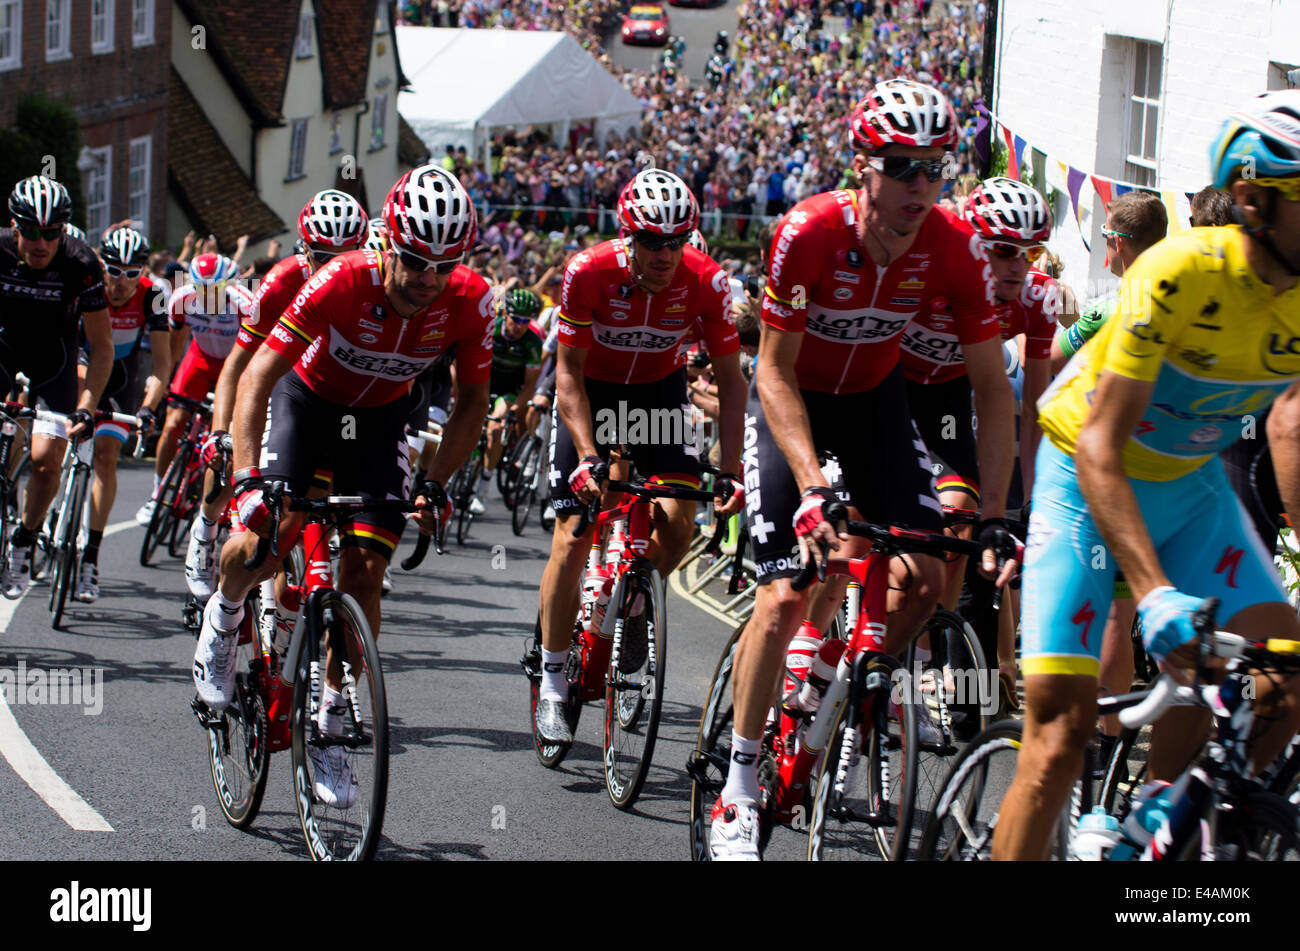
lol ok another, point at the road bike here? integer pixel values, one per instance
(176, 503)
(462, 487)
(619, 656)
(278, 688)
(527, 467)
(1221, 810)
(849, 772)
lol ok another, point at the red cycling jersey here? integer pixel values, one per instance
(352, 348)
(213, 312)
(635, 337)
(821, 283)
(930, 346)
(273, 297)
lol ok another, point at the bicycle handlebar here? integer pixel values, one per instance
(895, 540)
(600, 473)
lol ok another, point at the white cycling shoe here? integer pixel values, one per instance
(214, 661)
(145, 513)
(334, 785)
(201, 565)
(87, 591)
(18, 572)
(733, 834)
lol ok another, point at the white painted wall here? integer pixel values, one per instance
(1065, 73)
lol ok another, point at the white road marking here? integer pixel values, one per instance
(700, 600)
(120, 527)
(31, 767)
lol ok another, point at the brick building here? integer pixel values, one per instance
(108, 61)
(1133, 90)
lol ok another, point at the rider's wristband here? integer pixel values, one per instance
(243, 475)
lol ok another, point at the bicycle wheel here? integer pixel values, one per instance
(1264, 828)
(958, 693)
(1125, 771)
(634, 691)
(525, 488)
(187, 504)
(350, 829)
(507, 472)
(239, 751)
(160, 522)
(65, 569)
(865, 786)
(711, 758)
(469, 490)
(551, 755)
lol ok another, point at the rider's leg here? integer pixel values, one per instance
(43, 479)
(102, 492)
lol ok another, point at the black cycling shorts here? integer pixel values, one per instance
(53, 376)
(881, 458)
(943, 417)
(430, 397)
(310, 441)
(649, 418)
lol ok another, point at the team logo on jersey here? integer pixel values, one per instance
(1279, 355)
(675, 309)
(369, 325)
(379, 312)
(425, 349)
(369, 338)
(432, 335)
(622, 304)
(843, 293)
(619, 315)
(848, 277)
(916, 302)
(625, 290)
(853, 257)
(911, 285)
(1206, 434)
(673, 323)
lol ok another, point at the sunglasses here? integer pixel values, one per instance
(1289, 187)
(115, 271)
(1112, 233)
(1005, 251)
(44, 234)
(414, 262)
(322, 257)
(519, 319)
(904, 169)
(659, 242)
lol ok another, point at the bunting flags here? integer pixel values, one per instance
(1082, 186)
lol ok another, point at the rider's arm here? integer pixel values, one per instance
(571, 398)
(99, 338)
(731, 409)
(251, 400)
(223, 398)
(994, 405)
(783, 405)
(160, 355)
(1037, 375)
(1117, 408)
(530, 384)
(1284, 443)
(461, 431)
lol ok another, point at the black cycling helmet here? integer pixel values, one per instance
(124, 247)
(522, 303)
(40, 202)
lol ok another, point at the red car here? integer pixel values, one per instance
(646, 23)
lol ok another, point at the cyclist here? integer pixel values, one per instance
(625, 306)
(847, 272)
(135, 304)
(356, 335)
(47, 280)
(210, 307)
(516, 363)
(1010, 221)
(331, 223)
(1206, 333)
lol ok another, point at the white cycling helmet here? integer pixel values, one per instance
(1006, 208)
(332, 221)
(429, 213)
(40, 202)
(903, 112)
(376, 240)
(124, 247)
(73, 231)
(659, 202)
(696, 241)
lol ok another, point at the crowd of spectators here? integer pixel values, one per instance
(775, 132)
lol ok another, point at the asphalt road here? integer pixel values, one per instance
(697, 25)
(462, 753)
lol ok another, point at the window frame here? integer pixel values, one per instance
(104, 169)
(15, 59)
(306, 21)
(146, 170)
(107, 17)
(147, 8)
(382, 24)
(63, 22)
(379, 117)
(336, 133)
(1139, 169)
(297, 148)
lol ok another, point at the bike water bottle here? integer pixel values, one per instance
(820, 674)
(798, 662)
(1097, 834)
(286, 613)
(1147, 813)
(592, 582)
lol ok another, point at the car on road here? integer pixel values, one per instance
(646, 23)
(690, 3)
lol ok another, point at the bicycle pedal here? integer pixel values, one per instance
(207, 719)
(621, 683)
(699, 764)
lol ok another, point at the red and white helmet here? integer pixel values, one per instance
(207, 269)
(1006, 208)
(658, 202)
(332, 220)
(429, 213)
(903, 112)
(696, 241)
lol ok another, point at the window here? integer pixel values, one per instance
(101, 26)
(11, 34)
(98, 183)
(142, 22)
(297, 149)
(336, 133)
(381, 16)
(1280, 76)
(1144, 114)
(58, 30)
(302, 49)
(138, 178)
(378, 120)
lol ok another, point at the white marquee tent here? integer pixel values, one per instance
(469, 83)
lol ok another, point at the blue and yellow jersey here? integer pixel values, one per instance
(1220, 346)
